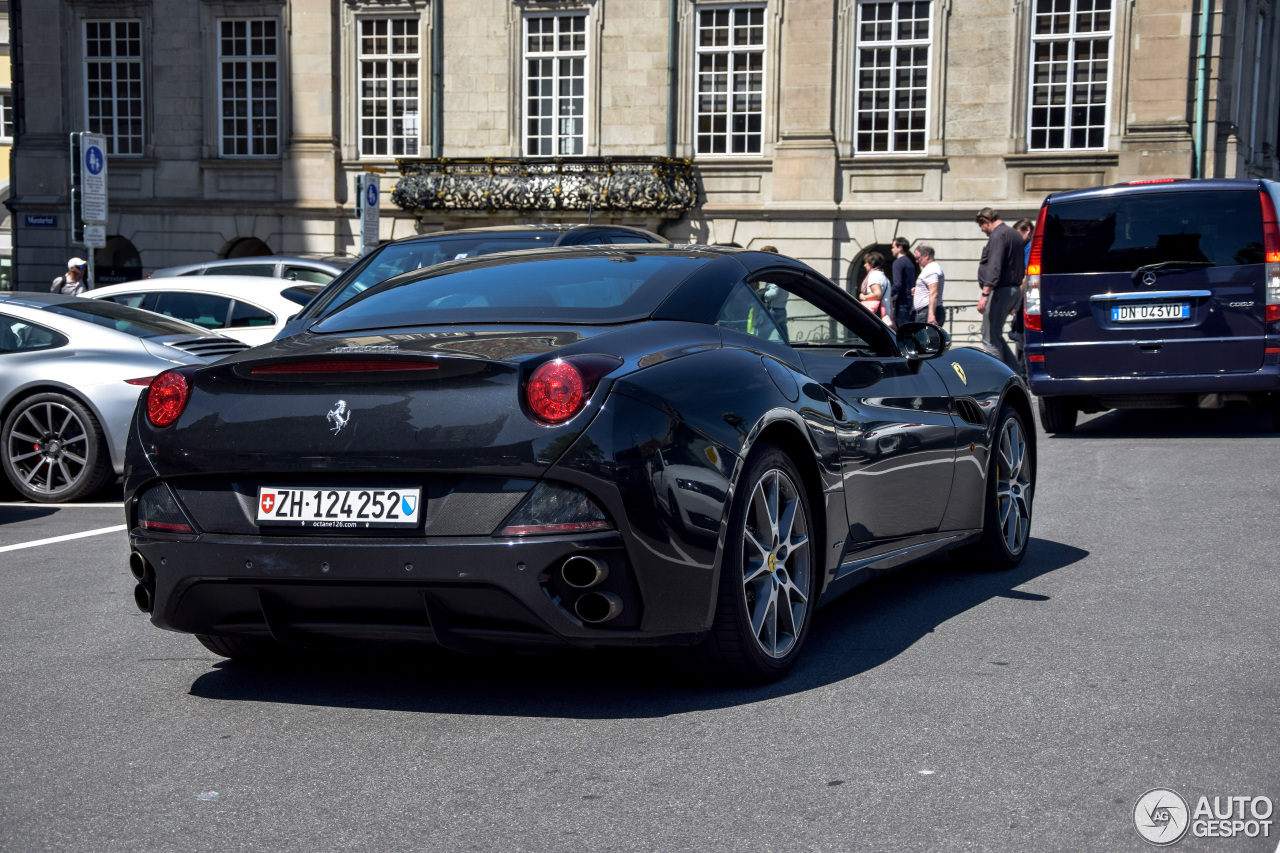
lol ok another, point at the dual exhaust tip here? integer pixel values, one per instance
(142, 571)
(594, 607)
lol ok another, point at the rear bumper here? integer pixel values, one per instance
(1267, 379)
(466, 593)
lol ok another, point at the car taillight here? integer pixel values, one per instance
(559, 389)
(167, 396)
(1031, 303)
(1271, 250)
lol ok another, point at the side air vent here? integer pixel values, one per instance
(969, 411)
(210, 347)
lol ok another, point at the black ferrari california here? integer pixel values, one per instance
(665, 445)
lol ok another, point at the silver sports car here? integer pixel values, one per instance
(71, 370)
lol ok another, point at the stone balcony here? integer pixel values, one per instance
(652, 186)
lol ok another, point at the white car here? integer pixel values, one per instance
(252, 309)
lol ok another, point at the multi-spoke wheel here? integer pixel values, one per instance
(768, 577)
(1010, 487)
(53, 449)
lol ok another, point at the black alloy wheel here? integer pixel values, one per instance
(768, 578)
(1011, 481)
(54, 449)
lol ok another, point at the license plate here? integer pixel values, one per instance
(1145, 312)
(339, 509)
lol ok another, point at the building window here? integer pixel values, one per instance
(6, 117)
(248, 97)
(389, 87)
(113, 83)
(730, 61)
(1070, 73)
(555, 84)
(893, 76)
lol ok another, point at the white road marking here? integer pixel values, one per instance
(116, 504)
(54, 539)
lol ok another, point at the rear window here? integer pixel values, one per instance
(600, 288)
(131, 321)
(1123, 232)
(397, 258)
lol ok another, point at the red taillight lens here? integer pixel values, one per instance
(1032, 321)
(1270, 228)
(1037, 239)
(1273, 313)
(167, 397)
(143, 381)
(556, 391)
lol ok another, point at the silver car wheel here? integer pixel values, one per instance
(777, 563)
(48, 447)
(1013, 487)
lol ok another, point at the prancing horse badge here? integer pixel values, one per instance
(960, 373)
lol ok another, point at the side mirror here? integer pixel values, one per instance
(923, 340)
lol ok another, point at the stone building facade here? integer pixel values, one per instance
(822, 127)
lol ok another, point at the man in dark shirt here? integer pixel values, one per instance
(902, 279)
(1000, 277)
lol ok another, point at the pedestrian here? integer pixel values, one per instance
(773, 250)
(1017, 328)
(903, 281)
(927, 296)
(874, 292)
(73, 283)
(1000, 276)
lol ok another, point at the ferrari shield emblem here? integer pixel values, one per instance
(960, 373)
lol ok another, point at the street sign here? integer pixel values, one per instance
(370, 214)
(95, 236)
(41, 220)
(94, 187)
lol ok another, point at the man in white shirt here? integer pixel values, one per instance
(926, 298)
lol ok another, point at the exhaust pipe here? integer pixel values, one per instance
(142, 598)
(596, 608)
(582, 572)
(140, 568)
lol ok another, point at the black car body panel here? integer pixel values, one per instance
(894, 466)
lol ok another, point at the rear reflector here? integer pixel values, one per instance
(346, 366)
(158, 510)
(1035, 358)
(555, 508)
(1273, 350)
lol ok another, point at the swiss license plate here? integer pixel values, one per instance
(339, 509)
(1147, 312)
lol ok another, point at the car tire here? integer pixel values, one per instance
(1010, 490)
(247, 649)
(751, 640)
(53, 449)
(1057, 414)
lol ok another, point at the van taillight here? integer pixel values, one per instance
(1271, 250)
(1031, 303)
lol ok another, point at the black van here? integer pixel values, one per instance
(1155, 294)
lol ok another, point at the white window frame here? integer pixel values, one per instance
(411, 139)
(6, 117)
(893, 44)
(1072, 37)
(733, 51)
(110, 126)
(556, 55)
(249, 59)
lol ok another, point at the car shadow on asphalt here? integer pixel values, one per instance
(860, 631)
(1235, 421)
(15, 514)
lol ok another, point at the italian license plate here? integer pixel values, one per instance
(1146, 312)
(339, 509)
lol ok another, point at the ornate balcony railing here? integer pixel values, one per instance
(651, 185)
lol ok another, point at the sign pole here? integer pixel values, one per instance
(93, 195)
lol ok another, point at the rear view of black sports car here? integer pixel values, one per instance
(663, 445)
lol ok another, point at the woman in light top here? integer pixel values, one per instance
(875, 293)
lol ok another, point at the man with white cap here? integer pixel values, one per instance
(73, 283)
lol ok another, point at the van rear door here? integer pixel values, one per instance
(1154, 281)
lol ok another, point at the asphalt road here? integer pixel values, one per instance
(935, 709)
